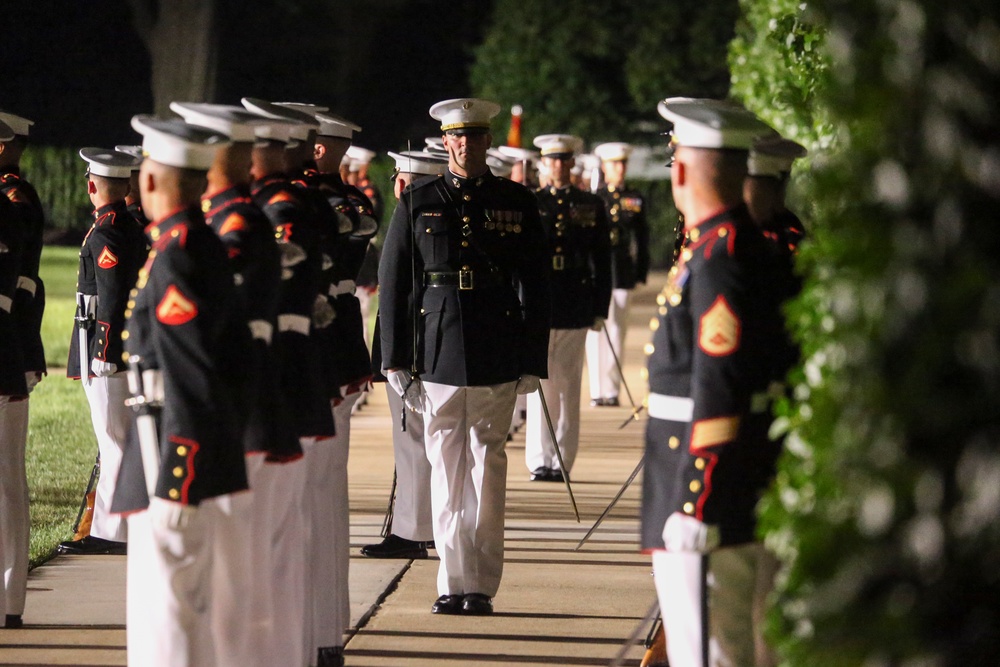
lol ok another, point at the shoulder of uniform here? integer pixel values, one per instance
(424, 182)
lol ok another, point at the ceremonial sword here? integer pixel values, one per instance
(555, 444)
(613, 502)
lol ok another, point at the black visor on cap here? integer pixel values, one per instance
(459, 131)
(559, 156)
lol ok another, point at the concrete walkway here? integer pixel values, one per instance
(556, 605)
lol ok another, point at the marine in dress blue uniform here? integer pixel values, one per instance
(110, 257)
(14, 519)
(576, 229)
(28, 304)
(467, 251)
(255, 612)
(187, 343)
(709, 371)
(629, 235)
(348, 225)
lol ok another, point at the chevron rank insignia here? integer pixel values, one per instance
(107, 259)
(719, 330)
(175, 308)
(234, 223)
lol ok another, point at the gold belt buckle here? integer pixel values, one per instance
(465, 279)
(558, 262)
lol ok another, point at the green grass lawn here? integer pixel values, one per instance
(61, 443)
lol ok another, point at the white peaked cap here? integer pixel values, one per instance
(499, 164)
(773, 156)
(178, 144)
(235, 122)
(520, 154)
(131, 150)
(110, 163)
(464, 112)
(613, 151)
(707, 123)
(361, 155)
(305, 122)
(558, 144)
(19, 124)
(335, 126)
(417, 162)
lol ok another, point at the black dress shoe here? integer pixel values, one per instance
(554, 476)
(477, 604)
(330, 656)
(395, 546)
(539, 474)
(611, 402)
(448, 604)
(13, 621)
(597, 403)
(429, 544)
(92, 546)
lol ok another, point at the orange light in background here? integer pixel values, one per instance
(514, 134)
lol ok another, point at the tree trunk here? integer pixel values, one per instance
(181, 40)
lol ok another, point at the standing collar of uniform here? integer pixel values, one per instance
(726, 214)
(10, 170)
(459, 182)
(223, 197)
(181, 215)
(563, 190)
(261, 183)
(112, 207)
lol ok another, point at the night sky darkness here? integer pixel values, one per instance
(79, 69)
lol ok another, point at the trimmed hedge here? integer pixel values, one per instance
(886, 509)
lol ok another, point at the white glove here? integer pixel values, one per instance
(291, 253)
(323, 313)
(409, 389)
(168, 515)
(686, 534)
(31, 378)
(527, 384)
(103, 369)
(598, 324)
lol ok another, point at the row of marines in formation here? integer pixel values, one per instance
(188, 376)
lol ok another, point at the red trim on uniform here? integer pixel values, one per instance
(104, 350)
(193, 448)
(229, 202)
(100, 220)
(172, 213)
(706, 484)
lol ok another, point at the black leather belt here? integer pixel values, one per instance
(465, 279)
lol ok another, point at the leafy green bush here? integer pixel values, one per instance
(58, 175)
(886, 508)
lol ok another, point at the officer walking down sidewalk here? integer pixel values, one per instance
(579, 258)
(467, 250)
(710, 367)
(112, 253)
(182, 476)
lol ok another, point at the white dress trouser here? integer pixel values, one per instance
(605, 380)
(111, 419)
(562, 396)
(179, 583)
(283, 515)
(328, 600)
(465, 430)
(15, 520)
(411, 513)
